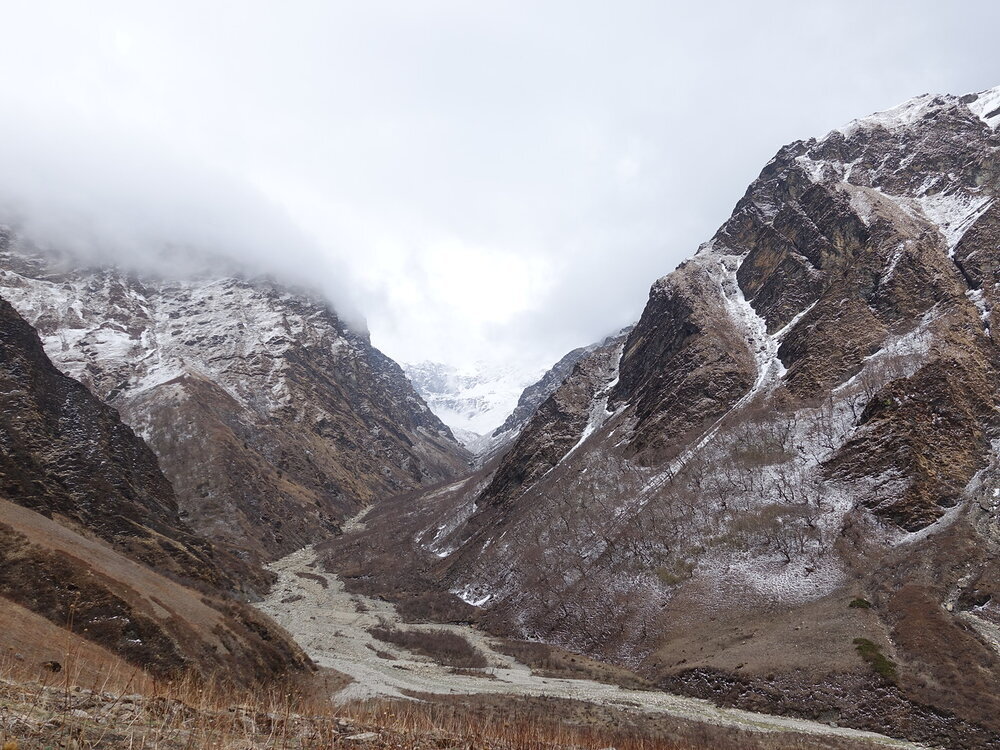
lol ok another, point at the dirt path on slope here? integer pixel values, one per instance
(331, 625)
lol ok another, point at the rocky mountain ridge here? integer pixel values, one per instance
(803, 418)
(537, 393)
(272, 419)
(485, 396)
(93, 546)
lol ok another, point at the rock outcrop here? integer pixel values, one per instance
(66, 455)
(537, 393)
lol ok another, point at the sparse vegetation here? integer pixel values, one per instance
(762, 442)
(473, 673)
(382, 654)
(871, 653)
(436, 606)
(449, 649)
(552, 661)
(186, 715)
(860, 603)
(678, 573)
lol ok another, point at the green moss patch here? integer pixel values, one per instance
(871, 653)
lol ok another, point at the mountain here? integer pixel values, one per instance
(479, 404)
(473, 401)
(271, 418)
(537, 393)
(779, 489)
(93, 542)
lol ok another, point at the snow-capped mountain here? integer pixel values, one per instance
(272, 419)
(473, 401)
(781, 488)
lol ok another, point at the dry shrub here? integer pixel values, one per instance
(435, 606)
(447, 648)
(552, 661)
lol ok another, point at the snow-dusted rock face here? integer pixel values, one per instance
(838, 250)
(64, 453)
(472, 401)
(558, 426)
(537, 393)
(805, 413)
(91, 538)
(271, 418)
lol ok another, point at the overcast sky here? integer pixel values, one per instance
(479, 180)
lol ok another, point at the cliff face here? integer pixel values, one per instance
(270, 417)
(844, 252)
(93, 540)
(804, 415)
(538, 393)
(65, 454)
(558, 426)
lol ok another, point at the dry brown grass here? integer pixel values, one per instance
(27, 640)
(504, 723)
(40, 709)
(82, 584)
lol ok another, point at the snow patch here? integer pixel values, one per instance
(820, 170)
(901, 116)
(977, 298)
(773, 578)
(900, 356)
(899, 537)
(599, 413)
(863, 203)
(954, 213)
(987, 107)
(469, 595)
(894, 259)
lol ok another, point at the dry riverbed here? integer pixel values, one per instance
(332, 626)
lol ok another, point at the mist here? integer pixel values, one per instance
(110, 198)
(488, 181)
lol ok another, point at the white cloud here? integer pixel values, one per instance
(482, 179)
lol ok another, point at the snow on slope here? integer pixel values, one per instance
(105, 325)
(986, 106)
(474, 400)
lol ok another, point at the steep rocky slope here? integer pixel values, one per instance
(803, 419)
(537, 393)
(92, 539)
(270, 417)
(477, 399)
(66, 455)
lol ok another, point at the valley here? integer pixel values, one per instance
(333, 625)
(765, 512)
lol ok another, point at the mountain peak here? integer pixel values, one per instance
(984, 104)
(473, 400)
